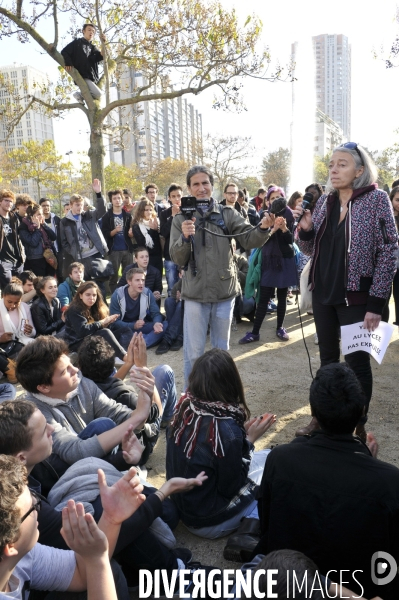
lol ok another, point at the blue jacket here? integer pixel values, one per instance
(64, 294)
(227, 491)
(149, 310)
(33, 240)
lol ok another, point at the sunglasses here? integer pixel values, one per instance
(37, 506)
(353, 146)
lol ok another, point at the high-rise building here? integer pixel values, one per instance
(333, 78)
(34, 125)
(328, 134)
(158, 129)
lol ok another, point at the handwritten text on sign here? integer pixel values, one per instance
(355, 337)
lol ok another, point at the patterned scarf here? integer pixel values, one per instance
(189, 413)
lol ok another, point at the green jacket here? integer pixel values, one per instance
(252, 284)
(216, 278)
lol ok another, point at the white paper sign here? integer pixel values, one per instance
(354, 338)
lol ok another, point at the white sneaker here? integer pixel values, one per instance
(118, 361)
(78, 96)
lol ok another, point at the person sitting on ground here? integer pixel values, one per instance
(25, 435)
(330, 482)
(26, 564)
(212, 431)
(68, 288)
(16, 328)
(153, 277)
(137, 308)
(46, 310)
(96, 361)
(88, 315)
(27, 279)
(82, 55)
(86, 421)
(173, 337)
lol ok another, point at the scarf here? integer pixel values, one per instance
(31, 227)
(9, 326)
(72, 286)
(144, 227)
(189, 413)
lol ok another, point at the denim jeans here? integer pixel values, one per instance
(7, 392)
(171, 274)
(118, 258)
(197, 316)
(165, 384)
(150, 337)
(255, 473)
(175, 322)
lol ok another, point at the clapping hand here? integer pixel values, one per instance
(139, 350)
(257, 426)
(81, 533)
(180, 484)
(132, 449)
(123, 498)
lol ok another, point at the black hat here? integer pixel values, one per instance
(278, 206)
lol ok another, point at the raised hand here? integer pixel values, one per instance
(122, 499)
(81, 533)
(259, 426)
(97, 186)
(140, 351)
(132, 449)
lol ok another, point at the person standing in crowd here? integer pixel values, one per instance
(151, 192)
(128, 203)
(278, 270)
(175, 194)
(394, 197)
(81, 236)
(16, 328)
(53, 221)
(317, 191)
(37, 237)
(68, 288)
(230, 194)
(210, 284)
(295, 198)
(352, 238)
(259, 198)
(146, 232)
(46, 310)
(272, 193)
(253, 216)
(12, 254)
(22, 201)
(88, 314)
(66, 208)
(153, 277)
(137, 309)
(116, 228)
(82, 55)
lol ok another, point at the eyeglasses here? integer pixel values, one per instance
(353, 146)
(231, 193)
(37, 506)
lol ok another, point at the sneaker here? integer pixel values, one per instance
(282, 334)
(249, 337)
(78, 96)
(290, 300)
(163, 347)
(177, 344)
(316, 339)
(270, 308)
(118, 361)
(273, 305)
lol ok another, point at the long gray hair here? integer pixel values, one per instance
(370, 171)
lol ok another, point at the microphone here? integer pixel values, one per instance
(306, 201)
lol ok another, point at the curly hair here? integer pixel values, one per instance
(96, 358)
(32, 209)
(139, 211)
(94, 313)
(12, 482)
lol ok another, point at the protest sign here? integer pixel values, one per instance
(355, 337)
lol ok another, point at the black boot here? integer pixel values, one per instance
(242, 543)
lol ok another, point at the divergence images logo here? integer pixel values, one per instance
(383, 568)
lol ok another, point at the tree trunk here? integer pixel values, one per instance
(97, 150)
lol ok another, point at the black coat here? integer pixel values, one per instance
(327, 497)
(46, 323)
(108, 224)
(84, 56)
(153, 279)
(155, 253)
(165, 221)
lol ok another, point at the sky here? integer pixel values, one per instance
(368, 25)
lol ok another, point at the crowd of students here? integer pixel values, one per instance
(73, 450)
